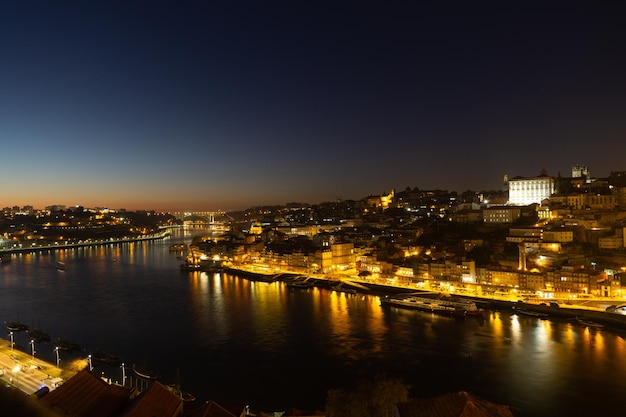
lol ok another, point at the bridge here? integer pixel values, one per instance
(199, 217)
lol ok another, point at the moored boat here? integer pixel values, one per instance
(530, 313)
(105, 358)
(67, 345)
(434, 304)
(343, 288)
(190, 267)
(181, 247)
(15, 326)
(589, 323)
(145, 374)
(38, 335)
(301, 283)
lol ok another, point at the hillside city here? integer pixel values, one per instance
(544, 236)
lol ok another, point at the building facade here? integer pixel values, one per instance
(526, 191)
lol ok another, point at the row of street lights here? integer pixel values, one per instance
(17, 367)
(32, 346)
(32, 350)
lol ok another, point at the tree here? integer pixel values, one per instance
(371, 398)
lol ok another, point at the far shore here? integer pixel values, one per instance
(100, 242)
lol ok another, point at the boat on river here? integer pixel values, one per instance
(67, 345)
(434, 303)
(341, 287)
(38, 335)
(15, 326)
(104, 358)
(530, 313)
(589, 323)
(301, 282)
(144, 373)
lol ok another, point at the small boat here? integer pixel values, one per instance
(145, 374)
(65, 344)
(343, 288)
(301, 282)
(61, 266)
(190, 267)
(181, 247)
(300, 285)
(529, 313)
(105, 358)
(589, 323)
(15, 326)
(38, 335)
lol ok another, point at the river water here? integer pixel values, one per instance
(229, 339)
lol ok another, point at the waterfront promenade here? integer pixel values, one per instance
(35, 246)
(28, 373)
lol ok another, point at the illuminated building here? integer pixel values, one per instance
(526, 191)
(562, 236)
(579, 171)
(503, 214)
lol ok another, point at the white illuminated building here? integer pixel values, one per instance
(525, 191)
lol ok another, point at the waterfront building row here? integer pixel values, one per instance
(566, 281)
(343, 259)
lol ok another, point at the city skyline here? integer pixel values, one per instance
(171, 107)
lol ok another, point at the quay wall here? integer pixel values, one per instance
(129, 239)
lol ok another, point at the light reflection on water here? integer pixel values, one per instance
(273, 347)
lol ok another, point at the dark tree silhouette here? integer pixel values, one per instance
(377, 397)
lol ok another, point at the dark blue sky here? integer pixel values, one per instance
(225, 105)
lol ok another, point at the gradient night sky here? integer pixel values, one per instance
(203, 105)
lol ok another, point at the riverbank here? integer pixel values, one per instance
(598, 310)
(81, 244)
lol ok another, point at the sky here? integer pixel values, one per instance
(225, 105)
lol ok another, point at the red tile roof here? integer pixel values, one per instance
(460, 404)
(213, 409)
(156, 401)
(87, 395)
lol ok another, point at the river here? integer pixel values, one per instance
(229, 339)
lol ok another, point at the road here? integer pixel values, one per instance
(28, 373)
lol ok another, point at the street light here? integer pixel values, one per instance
(11, 333)
(32, 348)
(123, 375)
(56, 349)
(90, 364)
